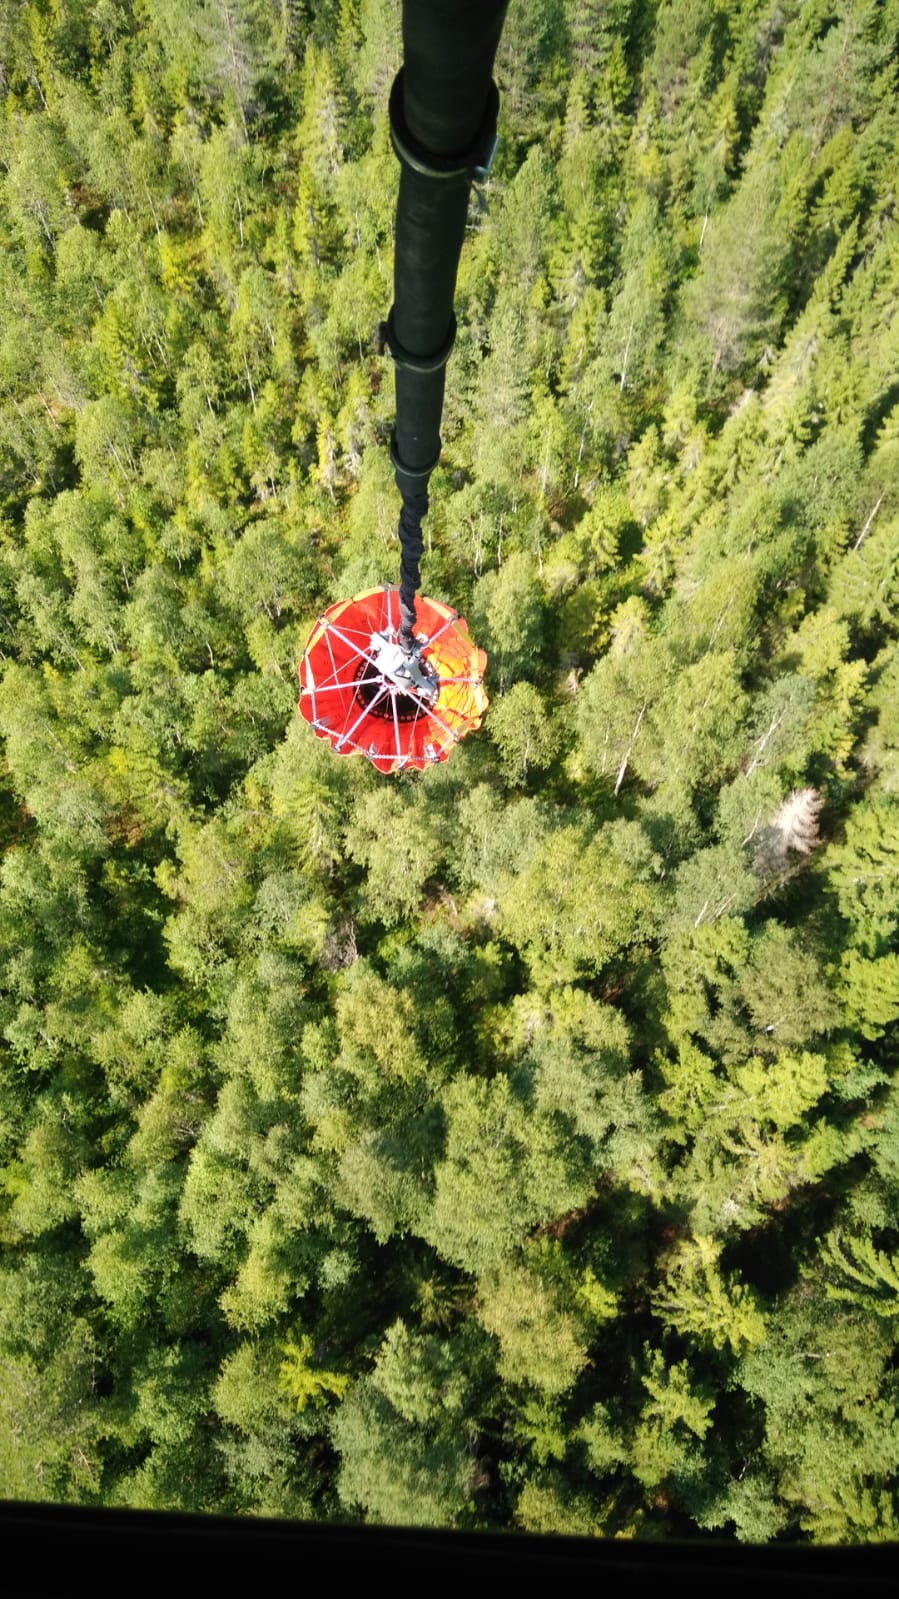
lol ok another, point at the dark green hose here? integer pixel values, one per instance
(443, 110)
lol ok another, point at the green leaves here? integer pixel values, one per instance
(356, 1134)
(865, 872)
(578, 902)
(396, 838)
(695, 1297)
(502, 1173)
(404, 1458)
(862, 1275)
(304, 1383)
(522, 732)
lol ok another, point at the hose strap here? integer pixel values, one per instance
(406, 358)
(475, 162)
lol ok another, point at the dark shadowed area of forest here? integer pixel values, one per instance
(516, 1144)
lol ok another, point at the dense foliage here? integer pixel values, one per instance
(517, 1145)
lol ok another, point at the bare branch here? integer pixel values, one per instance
(868, 525)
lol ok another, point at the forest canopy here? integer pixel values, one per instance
(516, 1144)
